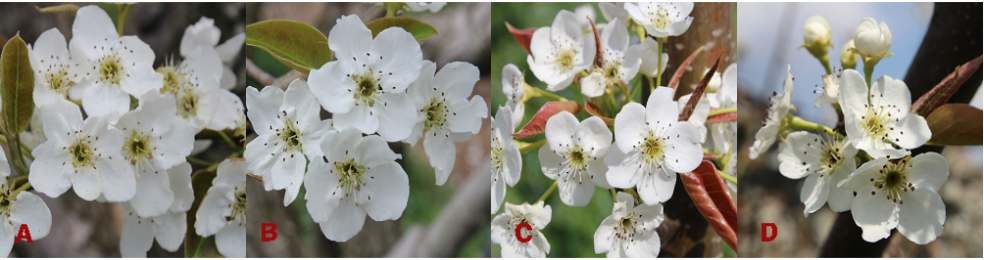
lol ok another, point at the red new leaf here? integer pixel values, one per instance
(537, 124)
(711, 197)
(723, 118)
(675, 80)
(523, 36)
(945, 89)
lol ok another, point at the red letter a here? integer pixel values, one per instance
(24, 234)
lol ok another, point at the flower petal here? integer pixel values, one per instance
(155, 195)
(262, 107)
(31, 210)
(661, 109)
(388, 190)
(400, 59)
(170, 230)
(928, 171)
(799, 155)
(467, 117)
(331, 87)
(814, 193)
(630, 126)
(684, 152)
(656, 187)
(397, 117)
(441, 155)
(345, 223)
(137, 237)
(560, 131)
(550, 163)
(184, 195)
(875, 215)
(922, 216)
(349, 37)
(912, 132)
(231, 241)
(574, 192)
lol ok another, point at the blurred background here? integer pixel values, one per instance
(439, 221)
(571, 230)
(92, 229)
(928, 41)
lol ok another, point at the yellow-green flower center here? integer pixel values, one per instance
(238, 206)
(661, 19)
(137, 147)
(497, 157)
(652, 148)
(81, 153)
(366, 88)
(111, 69)
(625, 228)
(893, 181)
(875, 124)
(187, 103)
(58, 81)
(435, 114)
(290, 135)
(350, 175)
(565, 59)
(174, 80)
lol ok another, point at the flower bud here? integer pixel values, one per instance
(872, 39)
(816, 33)
(848, 57)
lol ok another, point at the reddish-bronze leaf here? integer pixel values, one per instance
(599, 50)
(593, 110)
(713, 201)
(955, 124)
(698, 92)
(537, 124)
(675, 80)
(945, 89)
(523, 36)
(723, 118)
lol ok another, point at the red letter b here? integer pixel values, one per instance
(268, 231)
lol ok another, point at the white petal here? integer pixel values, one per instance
(105, 101)
(594, 136)
(137, 237)
(231, 241)
(656, 187)
(397, 117)
(215, 207)
(593, 85)
(875, 215)
(184, 195)
(468, 117)
(399, 54)
(814, 193)
(498, 193)
(892, 94)
(622, 173)
(203, 33)
(92, 22)
(7, 234)
(349, 37)
(604, 235)
(288, 173)
(575, 193)
(457, 79)
(389, 189)
(86, 184)
(170, 230)
(49, 175)
(853, 93)
(345, 223)
(31, 210)
(332, 89)
(928, 171)
(661, 109)
(646, 246)
(912, 132)
(684, 153)
(560, 131)
(222, 109)
(360, 117)
(262, 107)
(630, 126)
(441, 155)
(922, 216)
(799, 155)
(155, 195)
(550, 163)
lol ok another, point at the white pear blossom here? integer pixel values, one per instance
(585, 16)
(112, 67)
(560, 51)
(514, 87)
(204, 36)
(614, 10)
(83, 155)
(849, 55)
(574, 156)
(779, 108)
(816, 33)
(824, 161)
(830, 91)
(878, 120)
(18, 208)
(448, 115)
(619, 62)
(507, 162)
(901, 194)
(504, 227)
(200, 100)
(154, 140)
(432, 7)
(652, 147)
(356, 176)
(630, 231)
(55, 72)
(662, 19)
(168, 229)
(363, 88)
(651, 64)
(223, 210)
(723, 93)
(289, 128)
(873, 39)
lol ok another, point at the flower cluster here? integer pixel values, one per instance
(635, 151)
(109, 125)
(867, 166)
(379, 89)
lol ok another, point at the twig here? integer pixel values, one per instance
(258, 74)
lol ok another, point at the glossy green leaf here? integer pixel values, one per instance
(419, 29)
(955, 124)
(17, 84)
(295, 44)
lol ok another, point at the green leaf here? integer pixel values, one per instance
(62, 8)
(17, 84)
(419, 29)
(955, 124)
(295, 44)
